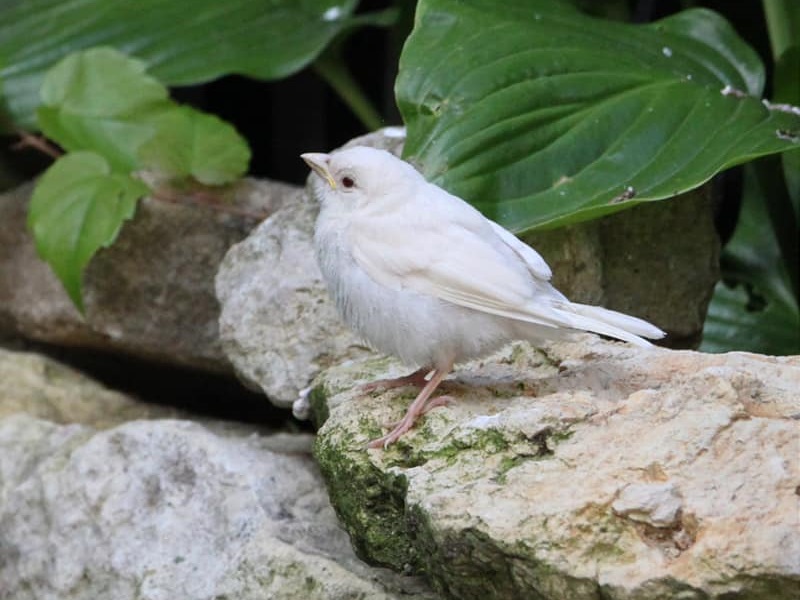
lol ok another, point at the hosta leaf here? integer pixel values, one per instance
(754, 308)
(181, 41)
(101, 100)
(736, 322)
(78, 207)
(542, 116)
(190, 143)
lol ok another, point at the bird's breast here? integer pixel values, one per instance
(417, 328)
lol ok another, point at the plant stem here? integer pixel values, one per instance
(28, 140)
(332, 69)
(782, 24)
(769, 174)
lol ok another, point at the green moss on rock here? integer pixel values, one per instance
(318, 399)
(369, 502)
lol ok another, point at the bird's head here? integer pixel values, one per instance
(360, 174)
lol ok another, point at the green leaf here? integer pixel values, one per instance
(78, 207)
(191, 143)
(542, 116)
(754, 308)
(740, 319)
(182, 41)
(102, 100)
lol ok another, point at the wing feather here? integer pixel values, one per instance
(531, 257)
(466, 263)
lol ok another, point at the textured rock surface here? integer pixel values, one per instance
(151, 510)
(584, 470)
(43, 388)
(156, 509)
(150, 294)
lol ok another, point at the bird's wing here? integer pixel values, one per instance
(459, 258)
(531, 257)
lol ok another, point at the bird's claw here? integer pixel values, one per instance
(407, 422)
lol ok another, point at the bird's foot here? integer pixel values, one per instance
(417, 379)
(429, 406)
(407, 422)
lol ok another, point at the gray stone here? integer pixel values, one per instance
(38, 386)
(154, 510)
(581, 470)
(157, 509)
(149, 294)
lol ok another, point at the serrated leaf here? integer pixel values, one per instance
(102, 82)
(182, 41)
(542, 116)
(102, 100)
(190, 143)
(78, 207)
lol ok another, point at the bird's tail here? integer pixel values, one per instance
(610, 323)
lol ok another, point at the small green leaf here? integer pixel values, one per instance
(101, 82)
(190, 143)
(101, 100)
(78, 207)
(542, 116)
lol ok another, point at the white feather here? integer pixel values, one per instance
(422, 274)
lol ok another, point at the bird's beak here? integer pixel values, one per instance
(319, 164)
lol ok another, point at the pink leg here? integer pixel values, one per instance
(429, 406)
(417, 408)
(417, 379)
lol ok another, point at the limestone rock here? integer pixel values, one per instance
(38, 386)
(161, 508)
(582, 470)
(169, 509)
(149, 294)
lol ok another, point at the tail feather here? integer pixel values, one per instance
(611, 323)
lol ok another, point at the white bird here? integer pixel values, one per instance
(421, 274)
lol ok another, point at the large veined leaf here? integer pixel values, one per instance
(757, 305)
(78, 207)
(542, 116)
(181, 41)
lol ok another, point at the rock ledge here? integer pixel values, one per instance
(583, 470)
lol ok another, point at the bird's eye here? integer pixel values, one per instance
(348, 182)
